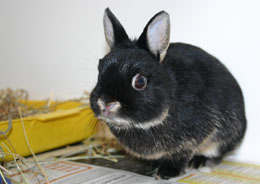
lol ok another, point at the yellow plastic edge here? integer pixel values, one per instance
(70, 123)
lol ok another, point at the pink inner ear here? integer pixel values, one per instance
(109, 32)
(153, 28)
(158, 34)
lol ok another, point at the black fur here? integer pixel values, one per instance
(202, 96)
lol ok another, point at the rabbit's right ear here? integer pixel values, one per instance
(156, 35)
(114, 32)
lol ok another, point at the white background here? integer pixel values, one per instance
(53, 46)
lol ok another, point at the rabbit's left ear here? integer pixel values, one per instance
(156, 35)
(114, 32)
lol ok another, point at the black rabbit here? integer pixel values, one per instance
(173, 104)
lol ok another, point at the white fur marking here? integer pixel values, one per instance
(152, 156)
(155, 122)
(205, 169)
(101, 104)
(118, 122)
(211, 150)
(121, 123)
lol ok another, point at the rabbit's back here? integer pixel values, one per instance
(207, 96)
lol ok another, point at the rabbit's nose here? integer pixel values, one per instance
(110, 106)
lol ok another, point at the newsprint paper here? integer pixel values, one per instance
(63, 172)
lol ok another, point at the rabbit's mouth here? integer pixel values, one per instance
(115, 121)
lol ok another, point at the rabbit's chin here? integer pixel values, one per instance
(116, 122)
(126, 123)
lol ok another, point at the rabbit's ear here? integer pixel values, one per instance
(156, 35)
(114, 32)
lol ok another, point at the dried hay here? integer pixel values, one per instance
(102, 145)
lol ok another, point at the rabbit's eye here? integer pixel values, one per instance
(139, 82)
